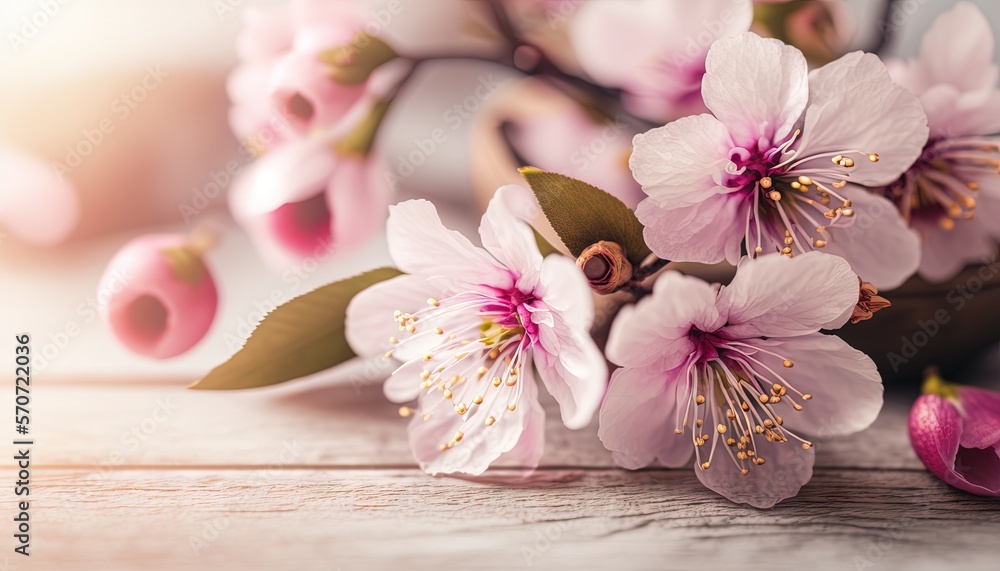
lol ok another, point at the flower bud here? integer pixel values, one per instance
(605, 266)
(157, 295)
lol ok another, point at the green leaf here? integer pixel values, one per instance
(299, 338)
(583, 214)
(351, 64)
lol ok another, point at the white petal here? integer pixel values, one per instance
(565, 290)
(419, 244)
(574, 371)
(778, 296)
(639, 416)
(755, 86)
(682, 163)
(879, 246)
(845, 386)
(707, 232)
(786, 469)
(369, 322)
(506, 234)
(654, 332)
(958, 50)
(854, 105)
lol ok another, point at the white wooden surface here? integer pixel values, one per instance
(316, 475)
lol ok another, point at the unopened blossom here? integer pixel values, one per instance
(782, 163)
(654, 50)
(285, 87)
(158, 296)
(955, 431)
(951, 194)
(470, 325)
(307, 199)
(36, 205)
(740, 377)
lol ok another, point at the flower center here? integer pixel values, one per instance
(473, 346)
(795, 200)
(942, 185)
(731, 399)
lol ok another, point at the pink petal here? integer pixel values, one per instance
(36, 205)
(570, 364)
(654, 333)
(981, 411)
(844, 383)
(481, 445)
(756, 86)
(358, 197)
(946, 252)
(639, 416)
(854, 105)
(420, 244)
(935, 428)
(529, 448)
(369, 320)
(958, 50)
(786, 469)
(708, 232)
(879, 246)
(953, 113)
(506, 234)
(306, 96)
(680, 164)
(776, 296)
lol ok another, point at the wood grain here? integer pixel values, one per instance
(347, 425)
(327, 519)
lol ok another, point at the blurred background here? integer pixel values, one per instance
(145, 84)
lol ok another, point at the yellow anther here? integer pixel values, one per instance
(765, 182)
(478, 399)
(490, 421)
(405, 411)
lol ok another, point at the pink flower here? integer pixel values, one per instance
(158, 296)
(740, 376)
(781, 164)
(282, 89)
(951, 195)
(306, 199)
(955, 431)
(654, 49)
(36, 205)
(471, 324)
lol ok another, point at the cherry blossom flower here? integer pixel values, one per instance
(955, 431)
(36, 205)
(782, 162)
(654, 50)
(739, 377)
(282, 89)
(307, 199)
(469, 324)
(951, 195)
(158, 296)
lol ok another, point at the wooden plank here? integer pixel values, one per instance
(353, 425)
(563, 519)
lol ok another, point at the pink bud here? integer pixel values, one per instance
(955, 432)
(158, 296)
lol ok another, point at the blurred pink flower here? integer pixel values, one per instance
(305, 199)
(745, 370)
(281, 89)
(158, 296)
(955, 431)
(472, 325)
(36, 205)
(654, 49)
(583, 147)
(759, 170)
(951, 195)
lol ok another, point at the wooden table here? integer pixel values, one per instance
(317, 475)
